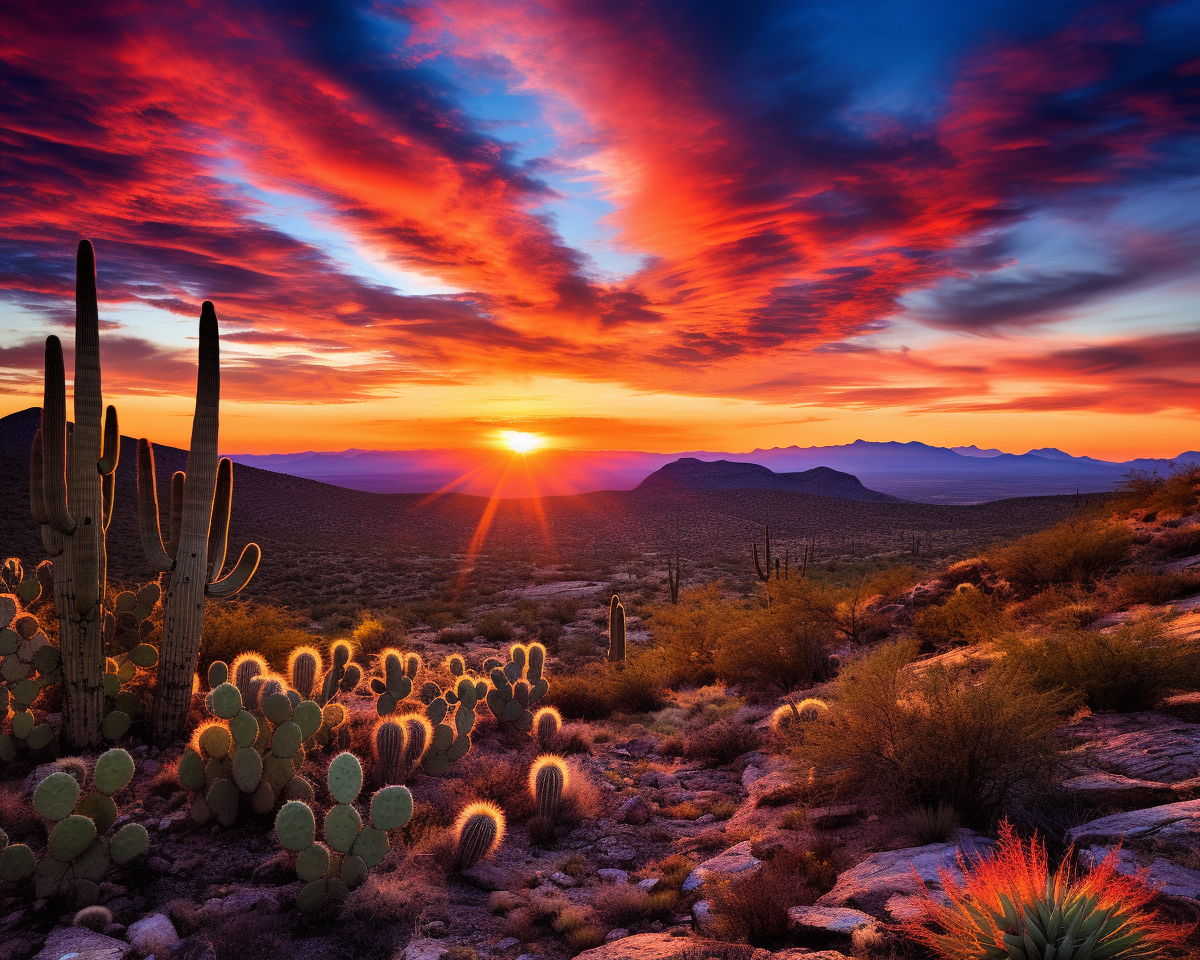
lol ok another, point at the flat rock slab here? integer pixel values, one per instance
(882, 882)
(1161, 841)
(1119, 792)
(565, 589)
(661, 946)
(80, 943)
(1141, 746)
(737, 859)
(838, 921)
(425, 949)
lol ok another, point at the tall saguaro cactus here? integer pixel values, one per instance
(195, 554)
(70, 494)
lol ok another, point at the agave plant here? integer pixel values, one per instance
(1011, 907)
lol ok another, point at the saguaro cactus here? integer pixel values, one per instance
(616, 630)
(71, 494)
(763, 576)
(195, 555)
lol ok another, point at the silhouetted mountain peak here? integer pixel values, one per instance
(692, 473)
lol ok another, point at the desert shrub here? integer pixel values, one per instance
(602, 689)
(1150, 586)
(921, 740)
(1074, 551)
(1010, 898)
(754, 908)
(692, 629)
(785, 647)
(456, 635)
(374, 632)
(1172, 495)
(967, 616)
(932, 824)
(721, 742)
(1129, 668)
(564, 610)
(1069, 605)
(502, 781)
(237, 626)
(494, 628)
(572, 739)
(1180, 542)
(624, 905)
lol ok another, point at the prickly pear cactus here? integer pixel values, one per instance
(517, 687)
(28, 665)
(399, 672)
(28, 589)
(244, 761)
(79, 852)
(333, 868)
(451, 737)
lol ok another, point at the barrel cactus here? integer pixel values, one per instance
(517, 687)
(79, 851)
(28, 665)
(478, 832)
(332, 868)
(546, 724)
(304, 666)
(547, 780)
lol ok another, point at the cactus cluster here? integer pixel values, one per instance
(28, 664)
(28, 590)
(517, 686)
(399, 672)
(342, 675)
(251, 753)
(130, 622)
(78, 854)
(616, 630)
(332, 868)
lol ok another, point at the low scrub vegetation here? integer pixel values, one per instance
(1076, 551)
(1158, 496)
(233, 628)
(935, 738)
(1129, 668)
(967, 616)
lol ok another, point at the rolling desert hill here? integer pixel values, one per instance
(689, 473)
(321, 540)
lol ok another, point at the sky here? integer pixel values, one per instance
(617, 224)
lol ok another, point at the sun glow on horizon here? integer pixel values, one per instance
(521, 442)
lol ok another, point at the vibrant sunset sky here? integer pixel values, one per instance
(625, 225)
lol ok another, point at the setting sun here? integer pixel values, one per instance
(521, 442)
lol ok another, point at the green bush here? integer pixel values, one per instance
(236, 626)
(934, 738)
(1130, 668)
(968, 616)
(1074, 551)
(786, 648)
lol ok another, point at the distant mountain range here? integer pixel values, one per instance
(911, 471)
(689, 473)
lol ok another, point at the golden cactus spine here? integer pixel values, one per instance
(201, 501)
(71, 493)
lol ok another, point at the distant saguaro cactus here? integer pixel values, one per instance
(71, 495)
(763, 575)
(195, 554)
(616, 630)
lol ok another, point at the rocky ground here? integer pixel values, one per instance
(630, 874)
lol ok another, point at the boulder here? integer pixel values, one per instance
(883, 884)
(424, 949)
(612, 875)
(80, 943)
(660, 946)
(737, 859)
(1142, 746)
(831, 921)
(635, 810)
(154, 934)
(830, 818)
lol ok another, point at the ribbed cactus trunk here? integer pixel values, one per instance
(195, 555)
(183, 604)
(74, 507)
